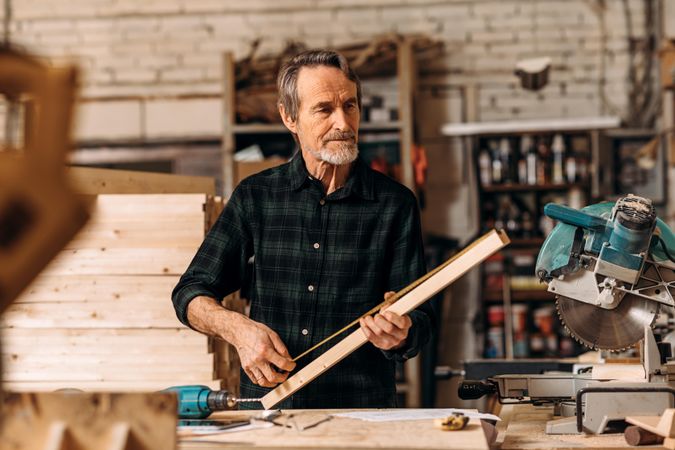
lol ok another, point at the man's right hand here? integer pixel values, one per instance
(262, 353)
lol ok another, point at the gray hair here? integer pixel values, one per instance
(287, 80)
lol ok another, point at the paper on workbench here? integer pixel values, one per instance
(413, 414)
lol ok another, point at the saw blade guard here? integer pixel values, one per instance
(605, 266)
(557, 248)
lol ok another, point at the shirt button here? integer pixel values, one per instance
(310, 288)
(316, 245)
(305, 332)
(322, 202)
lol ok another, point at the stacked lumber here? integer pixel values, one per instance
(100, 316)
(255, 76)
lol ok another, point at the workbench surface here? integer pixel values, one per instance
(340, 433)
(526, 425)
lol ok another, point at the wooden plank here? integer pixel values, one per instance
(84, 372)
(141, 234)
(107, 349)
(147, 206)
(527, 429)
(89, 288)
(121, 261)
(458, 266)
(95, 181)
(70, 420)
(178, 335)
(90, 315)
(108, 386)
(341, 433)
(37, 361)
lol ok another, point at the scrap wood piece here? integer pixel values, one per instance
(87, 421)
(457, 266)
(663, 425)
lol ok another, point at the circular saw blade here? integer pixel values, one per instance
(607, 329)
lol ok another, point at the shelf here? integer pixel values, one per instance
(534, 295)
(531, 187)
(256, 128)
(530, 126)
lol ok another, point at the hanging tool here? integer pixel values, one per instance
(199, 402)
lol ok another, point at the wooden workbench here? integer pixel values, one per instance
(341, 433)
(524, 428)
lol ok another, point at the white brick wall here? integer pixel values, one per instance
(173, 47)
(142, 50)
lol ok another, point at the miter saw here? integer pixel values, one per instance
(611, 267)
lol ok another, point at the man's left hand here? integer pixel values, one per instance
(386, 330)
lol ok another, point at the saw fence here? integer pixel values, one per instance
(100, 316)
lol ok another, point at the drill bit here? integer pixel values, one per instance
(247, 400)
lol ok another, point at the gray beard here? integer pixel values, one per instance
(345, 154)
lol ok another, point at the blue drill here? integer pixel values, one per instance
(198, 402)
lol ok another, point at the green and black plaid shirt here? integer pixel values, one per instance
(319, 262)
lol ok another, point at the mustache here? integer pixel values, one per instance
(341, 136)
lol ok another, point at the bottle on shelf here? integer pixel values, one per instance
(543, 162)
(525, 144)
(528, 225)
(520, 340)
(506, 157)
(543, 321)
(558, 149)
(497, 166)
(571, 167)
(532, 160)
(512, 222)
(485, 167)
(494, 345)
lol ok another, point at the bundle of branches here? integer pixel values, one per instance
(255, 77)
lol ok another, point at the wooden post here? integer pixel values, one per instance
(229, 118)
(406, 68)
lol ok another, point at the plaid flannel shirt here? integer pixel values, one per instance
(319, 261)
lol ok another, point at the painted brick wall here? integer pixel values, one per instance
(152, 69)
(173, 47)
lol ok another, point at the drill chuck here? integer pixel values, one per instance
(220, 400)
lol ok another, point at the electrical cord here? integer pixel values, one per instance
(665, 249)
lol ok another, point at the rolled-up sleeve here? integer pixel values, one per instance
(218, 267)
(407, 265)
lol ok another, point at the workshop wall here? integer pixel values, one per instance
(172, 47)
(152, 69)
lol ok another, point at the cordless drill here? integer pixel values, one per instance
(198, 402)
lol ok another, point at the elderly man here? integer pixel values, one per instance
(329, 237)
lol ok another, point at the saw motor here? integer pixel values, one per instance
(611, 268)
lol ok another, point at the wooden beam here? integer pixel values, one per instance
(94, 181)
(121, 261)
(457, 266)
(109, 288)
(90, 315)
(103, 386)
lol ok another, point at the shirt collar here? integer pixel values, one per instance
(360, 181)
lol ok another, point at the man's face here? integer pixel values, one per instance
(328, 115)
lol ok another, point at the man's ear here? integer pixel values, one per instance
(290, 123)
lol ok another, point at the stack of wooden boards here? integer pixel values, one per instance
(100, 316)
